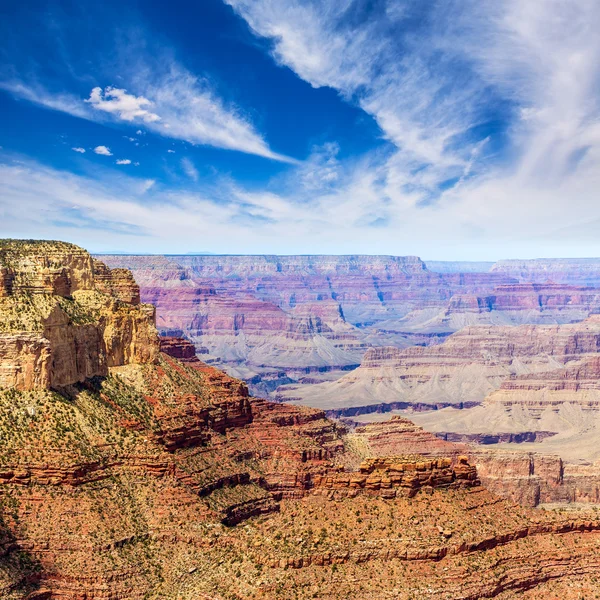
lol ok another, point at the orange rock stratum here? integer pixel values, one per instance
(131, 470)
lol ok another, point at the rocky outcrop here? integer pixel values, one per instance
(41, 267)
(523, 476)
(390, 477)
(25, 361)
(118, 283)
(463, 370)
(178, 347)
(67, 318)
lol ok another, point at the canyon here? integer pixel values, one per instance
(129, 468)
(275, 320)
(475, 352)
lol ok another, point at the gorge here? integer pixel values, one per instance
(129, 468)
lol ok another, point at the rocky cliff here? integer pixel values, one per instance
(271, 318)
(462, 371)
(66, 317)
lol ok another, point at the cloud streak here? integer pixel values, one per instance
(168, 99)
(351, 216)
(436, 75)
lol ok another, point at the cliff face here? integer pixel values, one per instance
(272, 319)
(292, 315)
(66, 317)
(572, 271)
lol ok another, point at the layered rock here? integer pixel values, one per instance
(275, 319)
(510, 304)
(461, 371)
(572, 271)
(527, 477)
(178, 347)
(67, 318)
(130, 485)
(268, 319)
(44, 267)
(398, 475)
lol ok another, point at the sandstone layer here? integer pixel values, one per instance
(66, 318)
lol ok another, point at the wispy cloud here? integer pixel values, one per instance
(352, 216)
(103, 151)
(38, 94)
(438, 76)
(123, 161)
(189, 169)
(167, 98)
(80, 150)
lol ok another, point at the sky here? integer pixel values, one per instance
(447, 129)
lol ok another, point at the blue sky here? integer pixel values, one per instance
(447, 129)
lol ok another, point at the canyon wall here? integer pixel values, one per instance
(461, 371)
(132, 480)
(572, 271)
(273, 320)
(66, 317)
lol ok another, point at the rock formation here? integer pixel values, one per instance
(572, 271)
(270, 319)
(510, 304)
(274, 320)
(462, 371)
(67, 318)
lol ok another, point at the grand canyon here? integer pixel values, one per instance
(300, 299)
(449, 465)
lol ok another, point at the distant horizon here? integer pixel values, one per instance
(432, 260)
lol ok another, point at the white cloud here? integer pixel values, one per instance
(189, 169)
(171, 151)
(432, 82)
(80, 150)
(123, 161)
(535, 64)
(127, 212)
(118, 102)
(168, 99)
(102, 150)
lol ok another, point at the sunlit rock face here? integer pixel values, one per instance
(66, 318)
